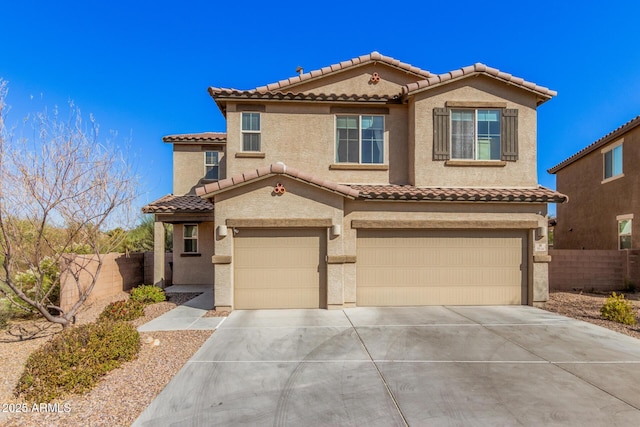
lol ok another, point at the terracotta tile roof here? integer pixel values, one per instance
(275, 169)
(476, 69)
(611, 136)
(179, 204)
(217, 137)
(344, 65)
(218, 93)
(439, 194)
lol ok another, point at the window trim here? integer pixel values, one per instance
(253, 132)
(217, 165)
(185, 238)
(475, 142)
(604, 151)
(359, 116)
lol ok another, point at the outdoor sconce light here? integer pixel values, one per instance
(222, 230)
(336, 230)
(541, 232)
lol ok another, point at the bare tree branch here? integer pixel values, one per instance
(61, 188)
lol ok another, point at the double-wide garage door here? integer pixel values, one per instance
(280, 268)
(434, 267)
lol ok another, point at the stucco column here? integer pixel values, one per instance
(158, 253)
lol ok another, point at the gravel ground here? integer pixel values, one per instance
(124, 393)
(586, 306)
(121, 395)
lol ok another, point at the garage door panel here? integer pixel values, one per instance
(446, 295)
(272, 278)
(425, 267)
(274, 298)
(279, 268)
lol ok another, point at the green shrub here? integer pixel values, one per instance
(148, 294)
(74, 360)
(617, 309)
(122, 311)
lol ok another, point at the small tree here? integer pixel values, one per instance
(60, 188)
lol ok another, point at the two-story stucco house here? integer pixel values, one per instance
(602, 182)
(366, 183)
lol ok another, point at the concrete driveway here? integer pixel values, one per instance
(436, 366)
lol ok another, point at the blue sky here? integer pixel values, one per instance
(143, 68)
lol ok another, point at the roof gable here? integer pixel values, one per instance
(542, 92)
(291, 83)
(610, 137)
(254, 175)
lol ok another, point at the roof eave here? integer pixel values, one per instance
(208, 195)
(610, 137)
(542, 97)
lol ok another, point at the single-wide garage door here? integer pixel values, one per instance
(434, 267)
(279, 268)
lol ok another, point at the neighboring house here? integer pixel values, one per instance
(603, 185)
(370, 182)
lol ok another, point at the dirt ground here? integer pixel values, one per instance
(586, 306)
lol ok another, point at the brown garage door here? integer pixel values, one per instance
(280, 268)
(433, 267)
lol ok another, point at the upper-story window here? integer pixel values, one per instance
(250, 131)
(612, 161)
(360, 139)
(211, 165)
(475, 134)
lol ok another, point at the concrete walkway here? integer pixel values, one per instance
(188, 315)
(440, 366)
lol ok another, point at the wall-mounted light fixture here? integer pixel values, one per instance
(336, 230)
(541, 232)
(222, 230)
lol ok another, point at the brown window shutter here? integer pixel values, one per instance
(440, 134)
(510, 135)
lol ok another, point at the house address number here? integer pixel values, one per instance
(541, 247)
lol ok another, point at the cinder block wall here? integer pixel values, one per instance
(119, 273)
(602, 270)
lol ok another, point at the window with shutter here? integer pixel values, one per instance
(475, 134)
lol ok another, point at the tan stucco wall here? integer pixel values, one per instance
(358, 81)
(189, 269)
(189, 168)
(588, 220)
(427, 172)
(258, 201)
(468, 214)
(303, 136)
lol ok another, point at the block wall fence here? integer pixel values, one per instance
(119, 272)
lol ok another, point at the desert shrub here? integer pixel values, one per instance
(122, 310)
(74, 360)
(148, 294)
(617, 309)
